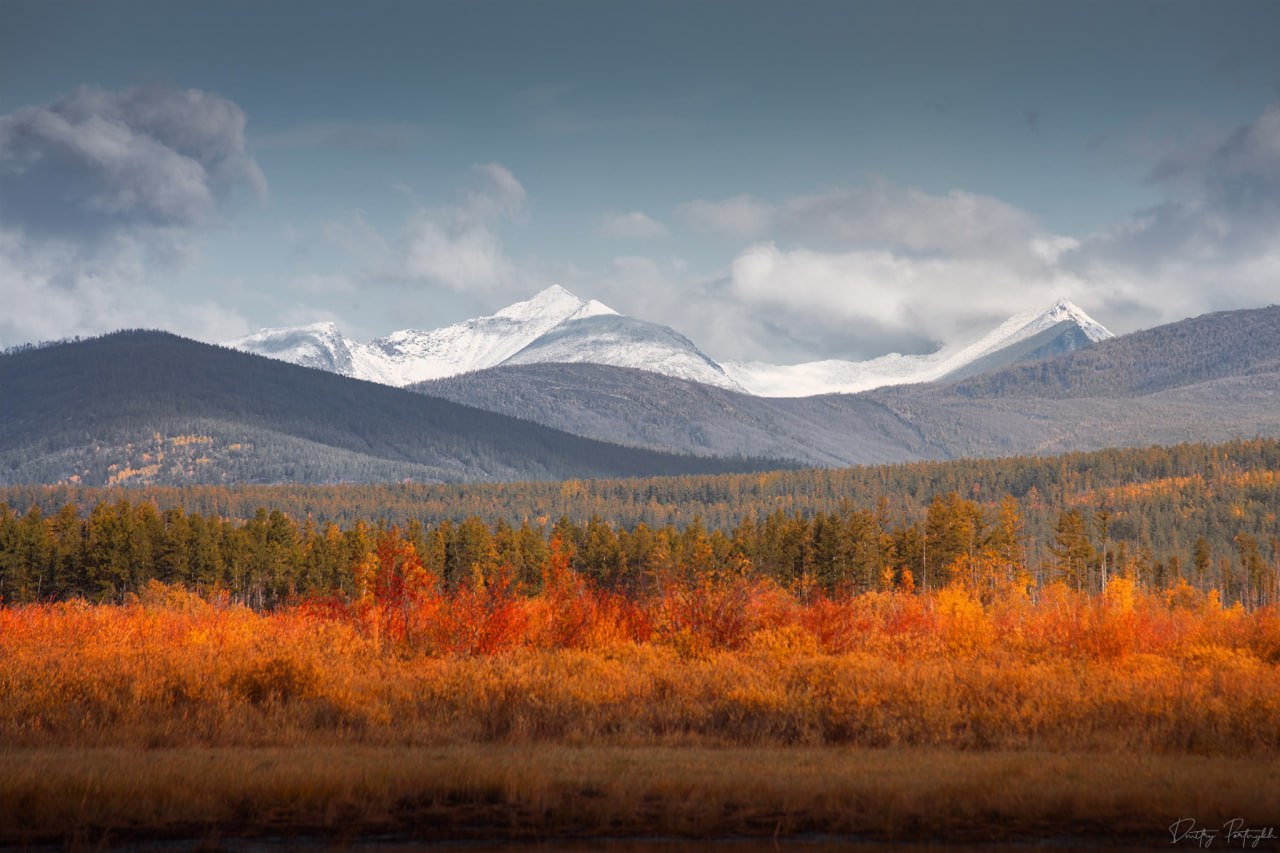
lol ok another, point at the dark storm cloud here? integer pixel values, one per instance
(1213, 243)
(1224, 203)
(97, 161)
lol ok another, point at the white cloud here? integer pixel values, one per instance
(52, 289)
(207, 321)
(460, 259)
(886, 294)
(496, 194)
(458, 247)
(741, 217)
(635, 225)
(867, 269)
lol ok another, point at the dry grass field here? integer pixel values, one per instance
(529, 791)
(730, 708)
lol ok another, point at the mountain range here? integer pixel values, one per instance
(557, 327)
(149, 407)
(1209, 378)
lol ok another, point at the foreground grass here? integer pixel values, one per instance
(729, 709)
(543, 790)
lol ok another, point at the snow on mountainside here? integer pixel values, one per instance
(318, 345)
(557, 327)
(409, 356)
(625, 342)
(484, 341)
(850, 377)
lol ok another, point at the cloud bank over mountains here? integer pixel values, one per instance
(105, 193)
(98, 191)
(893, 267)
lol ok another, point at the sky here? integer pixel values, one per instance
(777, 181)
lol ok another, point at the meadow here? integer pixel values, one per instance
(725, 705)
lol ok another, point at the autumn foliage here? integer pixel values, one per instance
(726, 657)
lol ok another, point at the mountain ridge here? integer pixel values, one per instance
(1064, 323)
(1214, 377)
(555, 326)
(149, 407)
(143, 406)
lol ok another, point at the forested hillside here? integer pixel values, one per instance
(149, 407)
(1212, 346)
(652, 410)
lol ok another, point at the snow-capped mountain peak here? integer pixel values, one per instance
(412, 355)
(554, 325)
(622, 341)
(1066, 310)
(318, 345)
(1021, 336)
(553, 302)
(1018, 328)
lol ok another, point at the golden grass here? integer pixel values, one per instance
(546, 790)
(742, 710)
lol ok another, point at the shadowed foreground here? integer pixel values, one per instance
(531, 791)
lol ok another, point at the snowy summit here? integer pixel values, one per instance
(1038, 333)
(555, 326)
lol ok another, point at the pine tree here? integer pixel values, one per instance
(1071, 548)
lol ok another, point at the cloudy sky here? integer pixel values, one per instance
(779, 181)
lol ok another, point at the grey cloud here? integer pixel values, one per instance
(1244, 173)
(1213, 244)
(99, 191)
(880, 215)
(1242, 165)
(98, 161)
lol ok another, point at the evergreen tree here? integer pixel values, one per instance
(1071, 548)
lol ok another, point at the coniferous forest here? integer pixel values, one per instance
(1201, 514)
(480, 661)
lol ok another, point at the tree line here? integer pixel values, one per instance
(1152, 505)
(272, 557)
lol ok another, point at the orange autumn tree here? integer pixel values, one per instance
(396, 596)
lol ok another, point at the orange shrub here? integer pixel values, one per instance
(731, 660)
